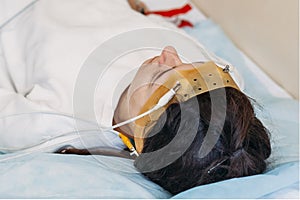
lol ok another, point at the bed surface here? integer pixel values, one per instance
(47, 175)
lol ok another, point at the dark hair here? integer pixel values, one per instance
(241, 144)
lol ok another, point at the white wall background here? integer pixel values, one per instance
(266, 30)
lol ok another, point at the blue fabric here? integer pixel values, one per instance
(251, 187)
(70, 176)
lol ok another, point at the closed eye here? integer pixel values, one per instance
(158, 74)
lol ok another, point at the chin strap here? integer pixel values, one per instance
(128, 144)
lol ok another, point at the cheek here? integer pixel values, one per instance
(143, 74)
(139, 97)
(136, 99)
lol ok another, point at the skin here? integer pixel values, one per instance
(138, 6)
(153, 73)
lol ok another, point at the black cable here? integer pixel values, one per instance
(104, 151)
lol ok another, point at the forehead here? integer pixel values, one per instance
(160, 71)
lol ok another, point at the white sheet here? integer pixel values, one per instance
(44, 50)
(11, 8)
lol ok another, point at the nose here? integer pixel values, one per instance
(169, 57)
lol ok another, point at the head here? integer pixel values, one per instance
(221, 139)
(152, 74)
(241, 148)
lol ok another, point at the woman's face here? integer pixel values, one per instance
(153, 73)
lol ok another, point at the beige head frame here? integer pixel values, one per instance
(202, 78)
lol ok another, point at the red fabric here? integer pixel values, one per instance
(185, 23)
(171, 13)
